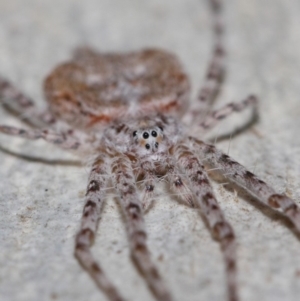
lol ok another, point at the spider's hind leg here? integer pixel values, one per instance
(215, 71)
(22, 106)
(84, 52)
(213, 118)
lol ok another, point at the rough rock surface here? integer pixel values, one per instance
(42, 189)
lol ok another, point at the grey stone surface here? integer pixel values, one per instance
(41, 200)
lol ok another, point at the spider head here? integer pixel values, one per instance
(149, 139)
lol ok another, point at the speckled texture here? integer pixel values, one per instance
(41, 200)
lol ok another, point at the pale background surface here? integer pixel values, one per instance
(41, 202)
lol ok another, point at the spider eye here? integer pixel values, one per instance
(156, 145)
(145, 135)
(134, 133)
(161, 128)
(154, 134)
(147, 146)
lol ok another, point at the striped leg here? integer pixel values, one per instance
(216, 116)
(220, 228)
(215, 71)
(91, 213)
(63, 140)
(244, 178)
(21, 105)
(148, 193)
(124, 182)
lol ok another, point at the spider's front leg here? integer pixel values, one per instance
(206, 200)
(124, 181)
(246, 179)
(91, 213)
(21, 105)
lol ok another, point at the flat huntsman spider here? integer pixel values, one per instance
(130, 113)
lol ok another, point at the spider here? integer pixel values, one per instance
(130, 112)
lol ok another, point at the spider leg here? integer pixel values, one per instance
(89, 222)
(22, 106)
(215, 70)
(217, 224)
(216, 116)
(246, 179)
(63, 140)
(84, 53)
(124, 182)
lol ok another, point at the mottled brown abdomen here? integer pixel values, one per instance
(94, 89)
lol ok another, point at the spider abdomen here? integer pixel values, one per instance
(94, 89)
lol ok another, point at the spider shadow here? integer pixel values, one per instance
(271, 213)
(40, 160)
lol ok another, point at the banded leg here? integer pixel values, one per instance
(219, 227)
(215, 71)
(216, 116)
(21, 105)
(84, 53)
(89, 222)
(246, 179)
(63, 140)
(124, 181)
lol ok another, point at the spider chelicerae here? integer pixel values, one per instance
(125, 111)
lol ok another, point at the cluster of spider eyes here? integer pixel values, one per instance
(146, 136)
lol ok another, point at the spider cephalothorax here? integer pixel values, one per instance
(144, 135)
(124, 110)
